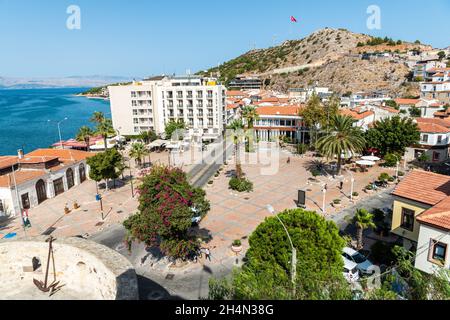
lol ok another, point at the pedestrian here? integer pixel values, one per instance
(341, 185)
(208, 254)
(288, 160)
(326, 187)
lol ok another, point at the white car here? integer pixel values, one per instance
(350, 272)
(363, 264)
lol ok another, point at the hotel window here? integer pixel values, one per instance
(439, 139)
(438, 252)
(136, 129)
(135, 121)
(425, 138)
(134, 103)
(135, 112)
(133, 94)
(407, 219)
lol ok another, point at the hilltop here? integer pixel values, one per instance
(332, 57)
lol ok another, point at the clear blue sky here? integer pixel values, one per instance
(139, 38)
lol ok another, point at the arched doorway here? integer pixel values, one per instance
(82, 172)
(41, 191)
(70, 178)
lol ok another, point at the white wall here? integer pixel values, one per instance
(426, 234)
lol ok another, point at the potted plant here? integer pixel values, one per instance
(384, 177)
(369, 188)
(391, 180)
(210, 183)
(401, 174)
(355, 195)
(76, 205)
(236, 246)
(337, 203)
(66, 209)
(216, 176)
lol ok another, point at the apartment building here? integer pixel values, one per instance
(437, 85)
(150, 104)
(245, 83)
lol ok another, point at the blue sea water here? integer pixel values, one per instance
(24, 116)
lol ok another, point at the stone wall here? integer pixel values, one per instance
(87, 270)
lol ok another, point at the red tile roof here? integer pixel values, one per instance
(22, 176)
(432, 128)
(425, 187)
(356, 114)
(441, 122)
(65, 155)
(406, 101)
(438, 216)
(279, 111)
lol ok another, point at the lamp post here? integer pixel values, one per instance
(294, 251)
(131, 179)
(396, 174)
(324, 190)
(59, 131)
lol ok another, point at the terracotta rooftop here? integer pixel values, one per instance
(406, 101)
(279, 111)
(438, 216)
(425, 127)
(7, 161)
(425, 187)
(441, 122)
(21, 177)
(236, 93)
(356, 114)
(63, 155)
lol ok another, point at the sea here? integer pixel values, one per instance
(25, 115)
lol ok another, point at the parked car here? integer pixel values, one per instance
(363, 264)
(350, 272)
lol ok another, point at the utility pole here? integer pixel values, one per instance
(294, 252)
(19, 203)
(131, 179)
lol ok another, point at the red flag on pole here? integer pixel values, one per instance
(293, 19)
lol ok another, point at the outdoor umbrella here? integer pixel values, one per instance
(365, 163)
(370, 158)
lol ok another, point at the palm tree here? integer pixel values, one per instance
(250, 115)
(237, 126)
(138, 151)
(342, 138)
(84, 134)
(105, 129)
(362, 220)
(97, 117)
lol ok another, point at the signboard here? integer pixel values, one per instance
(301, 201)
(98, 197)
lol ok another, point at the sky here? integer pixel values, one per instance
(147, 37)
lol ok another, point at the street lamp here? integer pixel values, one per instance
(398, 164)
(59, 131)
(351, 191)
(294, 251)
(324, 190)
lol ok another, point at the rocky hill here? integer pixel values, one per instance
(330, 58)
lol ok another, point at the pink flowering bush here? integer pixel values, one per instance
(167, 204)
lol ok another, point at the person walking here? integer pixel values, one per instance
(341, 185)
(288, 160)
(208, 254)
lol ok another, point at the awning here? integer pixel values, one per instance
(158, 144)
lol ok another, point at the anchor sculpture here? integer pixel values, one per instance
(43, 286)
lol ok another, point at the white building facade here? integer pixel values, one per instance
(152, 103)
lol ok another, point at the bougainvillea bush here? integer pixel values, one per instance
(167, 204)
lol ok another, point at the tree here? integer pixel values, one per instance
(250, 115)
(84, 134)
(105, 129)
(441, 55)
(415, 112)
(97, 117)
(105, 165)
(392, 104)
(362, 220)
(267, 269)
(148, 136)
(342, 139)
(313, 115)
(237, 127)
(138, 151)
(167, 204)
(393, 135)
(172, 126)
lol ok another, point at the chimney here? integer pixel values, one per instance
(20, 154)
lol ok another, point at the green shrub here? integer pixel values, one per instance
(390, 160)
(355, 194)
(369, 187)
(337, 201)
(237, 243)
(381, 253)
(241, 184)
(401, 174)
(384, 177)
(315, 172)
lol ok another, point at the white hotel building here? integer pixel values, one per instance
(151, 103)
